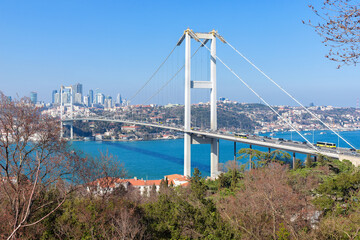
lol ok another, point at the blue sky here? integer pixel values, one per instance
(116, 46)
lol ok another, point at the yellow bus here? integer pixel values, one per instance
(241, 135)
(326, 144)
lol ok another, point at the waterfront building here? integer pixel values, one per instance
(33, 97)
(132, 128)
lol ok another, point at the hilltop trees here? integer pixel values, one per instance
(265, 204)
(39, 172)
(33, 160)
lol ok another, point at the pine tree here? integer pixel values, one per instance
(197, 184)
(308, 162)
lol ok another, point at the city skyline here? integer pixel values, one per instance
(103, 43)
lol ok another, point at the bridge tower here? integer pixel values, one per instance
(68, 92)
(188, 138)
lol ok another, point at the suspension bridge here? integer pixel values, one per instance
(212, 135)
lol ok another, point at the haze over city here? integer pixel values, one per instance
(118, 45)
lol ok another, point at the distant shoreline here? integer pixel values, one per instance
(121, 140)
(260, 134)
(316, 130)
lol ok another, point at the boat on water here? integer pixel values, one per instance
(322, 133)
(307, 134)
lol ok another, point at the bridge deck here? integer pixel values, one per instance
(291, 146)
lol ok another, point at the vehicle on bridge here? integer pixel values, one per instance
(326, 144)
(241, 135)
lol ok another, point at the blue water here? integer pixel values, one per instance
(155, 159)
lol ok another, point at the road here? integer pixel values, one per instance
(273, 143)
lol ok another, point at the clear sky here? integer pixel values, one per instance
(116, 46)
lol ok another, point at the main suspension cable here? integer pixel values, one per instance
(263, 100)
(293, 98)
(168, 81)
(153, 75)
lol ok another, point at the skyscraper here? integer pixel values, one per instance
(108, 102)
(100, 98)
(78, 98)
(33, 97)
(77, 93)
(91, 97)
(118, 99)
(53, 96)
(86, 101)
(57, 98)
(77, 88)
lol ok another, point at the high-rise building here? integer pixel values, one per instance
(100, 98)
(108, 102)
(33, 97)
(53, 96)
(86, 101)
(66, 97)
(77, 91)
(78, 98)
(57, 98)
(118, 99)
(77, 88)
(91, 97)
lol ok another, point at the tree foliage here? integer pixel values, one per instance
(339, 27)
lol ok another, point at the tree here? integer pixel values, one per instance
(101, 175)
(33, 160)
(263, 158)
(308, 161)
(340, 29)
(298, 164)
(266, 207)
(197, 184)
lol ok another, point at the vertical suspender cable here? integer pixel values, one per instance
(311, 113)
(263, 100)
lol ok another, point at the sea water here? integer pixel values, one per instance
(157, 158)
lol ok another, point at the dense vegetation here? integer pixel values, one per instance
(270, 201)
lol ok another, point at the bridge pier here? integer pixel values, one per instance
(187, 107)
(234, 151)
(187, 154)
(72, 131)
(214, 158)
(293, 160)
(250, 158)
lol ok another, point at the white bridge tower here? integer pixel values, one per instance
(188, 137)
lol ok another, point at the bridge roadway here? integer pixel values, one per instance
(291, 146)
